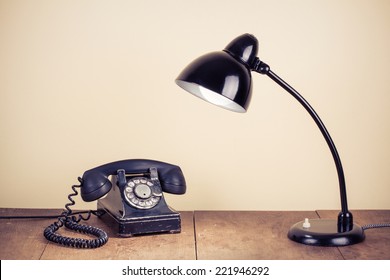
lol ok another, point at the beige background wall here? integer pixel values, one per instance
(83, 83)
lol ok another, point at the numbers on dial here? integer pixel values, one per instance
(139, 193)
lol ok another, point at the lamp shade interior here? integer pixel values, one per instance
(210, 96)
(220, 79)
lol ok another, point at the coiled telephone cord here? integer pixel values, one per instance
(68, 219)
(371, 226)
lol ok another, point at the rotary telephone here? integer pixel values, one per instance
(130, 199)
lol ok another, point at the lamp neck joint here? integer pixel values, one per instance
(260, 67)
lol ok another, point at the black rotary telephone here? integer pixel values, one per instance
(129, 196)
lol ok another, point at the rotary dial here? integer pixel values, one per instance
(142, 193)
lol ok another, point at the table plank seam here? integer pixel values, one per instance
(195, 241)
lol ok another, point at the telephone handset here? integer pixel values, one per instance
(95, 182)
(130, 199)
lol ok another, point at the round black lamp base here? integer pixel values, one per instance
(321, 232)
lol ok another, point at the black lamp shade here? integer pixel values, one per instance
(219, 78)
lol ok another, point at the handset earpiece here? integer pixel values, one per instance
(95, 184)
(172, 180)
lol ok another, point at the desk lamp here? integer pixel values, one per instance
(224, 79)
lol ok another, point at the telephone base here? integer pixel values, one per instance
(147, 224)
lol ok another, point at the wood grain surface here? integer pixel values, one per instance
(253, 235)
(205, 235)
(23, 239)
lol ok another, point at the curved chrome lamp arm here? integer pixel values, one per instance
(345, 218)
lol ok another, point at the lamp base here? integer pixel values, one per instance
(322, 232)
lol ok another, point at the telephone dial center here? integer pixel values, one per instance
(142, 191)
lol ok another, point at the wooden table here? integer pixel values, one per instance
(219, 235)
